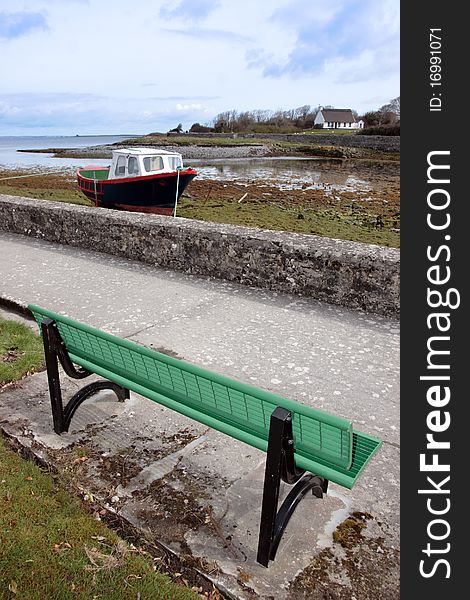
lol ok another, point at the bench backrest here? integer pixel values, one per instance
(238, 409)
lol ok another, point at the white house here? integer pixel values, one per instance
(337, 118)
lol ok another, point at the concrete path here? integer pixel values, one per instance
(195, 489)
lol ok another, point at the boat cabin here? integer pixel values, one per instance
(139, 162)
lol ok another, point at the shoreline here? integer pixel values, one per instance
(312, 146)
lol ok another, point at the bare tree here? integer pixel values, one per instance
(391, 111)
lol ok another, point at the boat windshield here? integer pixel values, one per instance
(133, 166)
(153, 163)
(120, 166)
(175, 162)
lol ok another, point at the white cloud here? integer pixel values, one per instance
(188, 106)
(148, 68)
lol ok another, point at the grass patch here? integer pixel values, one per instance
(51, 545)
(357, 227)
(177, 140)
(70, 196)
(60, 187)
(21, 351)
(53, 548)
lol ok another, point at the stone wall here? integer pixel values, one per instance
(346, 273)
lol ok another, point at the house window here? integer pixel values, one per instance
(120, 166)
(153, 163)
(349, 124)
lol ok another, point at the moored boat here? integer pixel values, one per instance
(138, 179)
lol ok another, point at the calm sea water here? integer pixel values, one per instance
(286, 173)
(10, 158)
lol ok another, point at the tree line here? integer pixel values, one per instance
(388, 114)
(293, 120)
(260, 121)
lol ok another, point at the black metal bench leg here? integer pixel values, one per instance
(280, 464)
(52, 365)
(272, 481)
(54, 350)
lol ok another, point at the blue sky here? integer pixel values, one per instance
(114, 66)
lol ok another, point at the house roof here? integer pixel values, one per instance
(340, 115)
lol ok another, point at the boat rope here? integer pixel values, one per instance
(94, 183)
(177, 187)
(31, 175)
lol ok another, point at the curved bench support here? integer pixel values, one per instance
(54, 350)
(280, 465)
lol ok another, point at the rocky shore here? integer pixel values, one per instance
(189, 152)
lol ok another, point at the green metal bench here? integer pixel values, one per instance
(305, 446)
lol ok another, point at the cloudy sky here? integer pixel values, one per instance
(120, 66)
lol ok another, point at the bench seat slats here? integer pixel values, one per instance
(364, 446)
(325, 444)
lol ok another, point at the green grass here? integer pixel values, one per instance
(357, 227)
(51, 548)
(21, 351)
(228, 140)
(58, 195)
(177, 140)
